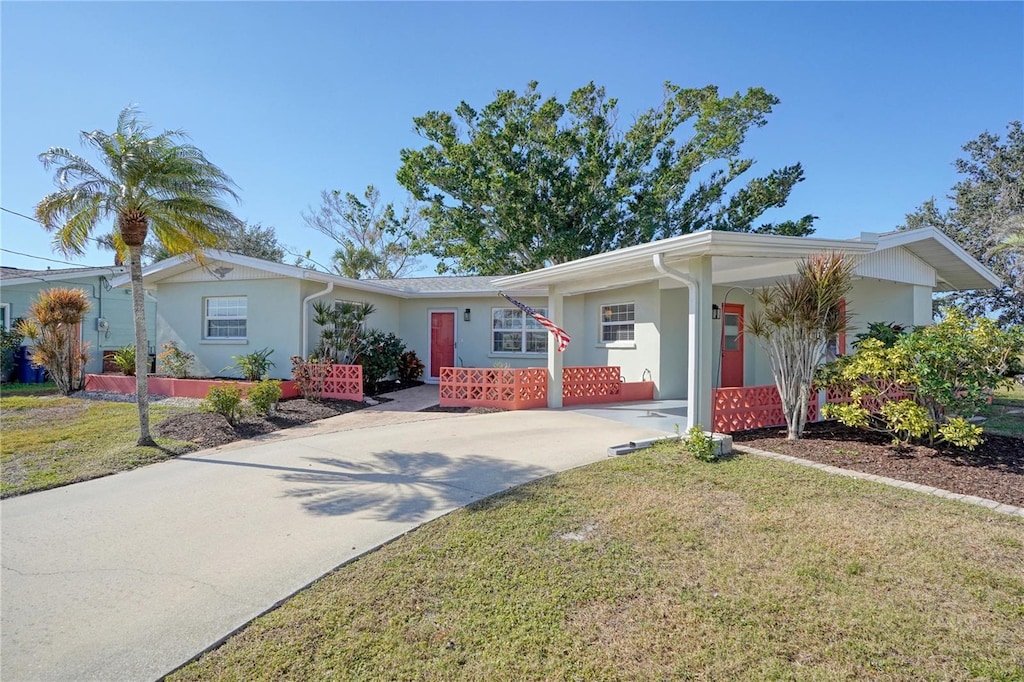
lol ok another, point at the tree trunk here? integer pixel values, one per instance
(141, 345)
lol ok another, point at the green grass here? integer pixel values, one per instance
(1002, 414)
(747, 569)
(47, 442)
(45, 388)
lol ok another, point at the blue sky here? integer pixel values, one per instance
(294, 98)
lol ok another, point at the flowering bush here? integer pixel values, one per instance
(378, 352)
(176, 361)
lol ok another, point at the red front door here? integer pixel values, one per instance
(732, 345)
(442, 342)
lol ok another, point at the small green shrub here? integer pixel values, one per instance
(700, 445)
(264, 396)
(254, 366)
(176, 361)
(410, 368)
(10, 341)
(226, 401)
(124, 359)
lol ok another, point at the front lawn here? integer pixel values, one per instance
(1006, 413)
(47, 442)
(654, 566)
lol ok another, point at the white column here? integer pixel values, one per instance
(554, 357)
(701, 347)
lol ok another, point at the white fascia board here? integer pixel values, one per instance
(708, 243)
(907, 238)
(59, 276)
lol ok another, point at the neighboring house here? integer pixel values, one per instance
(110, 322)
(670, 311)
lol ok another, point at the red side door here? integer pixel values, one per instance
(442, 342)
(732, 345)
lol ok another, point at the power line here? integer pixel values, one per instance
(20, 215)
(28, 217)
(52, 260)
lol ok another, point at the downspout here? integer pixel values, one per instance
(692, 288)
(305, 316)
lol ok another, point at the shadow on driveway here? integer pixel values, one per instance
(394, 486)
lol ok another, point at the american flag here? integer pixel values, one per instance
(560, 334)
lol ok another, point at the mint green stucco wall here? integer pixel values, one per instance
(115, 306)
(273, 322)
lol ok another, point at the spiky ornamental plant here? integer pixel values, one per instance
(796, 320)
(54, 328)
(143, 182)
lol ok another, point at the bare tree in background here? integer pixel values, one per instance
(375, 240)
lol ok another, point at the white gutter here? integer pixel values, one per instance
(305, 316)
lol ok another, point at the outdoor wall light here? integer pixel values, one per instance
(716, 312)
(466, 314)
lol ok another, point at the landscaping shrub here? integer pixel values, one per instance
(124, 359)
(254, 366)
(177, 362)
(340, 326)
(410, 368)
(310, 375)
(379, 353)
(264, 396)
(947, 371)
(700, 445)
(54, 329)
(10, 341)
(226, 401)
(886, 332)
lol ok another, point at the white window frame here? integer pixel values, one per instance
(616, 323)
(6, 307)
(524, 328)
(207, 317)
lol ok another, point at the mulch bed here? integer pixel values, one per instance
(208, 430)
(994, 470)
(463, 410)
(391, 385)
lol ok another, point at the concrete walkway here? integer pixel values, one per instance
(127, 577)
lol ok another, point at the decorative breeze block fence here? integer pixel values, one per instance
(340, 382)
(752, 407)
(509, 389)
(522, 389)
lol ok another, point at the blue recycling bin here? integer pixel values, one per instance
(27, 374)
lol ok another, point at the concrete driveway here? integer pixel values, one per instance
(129, 576)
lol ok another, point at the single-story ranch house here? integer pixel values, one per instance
(110, 322)
(670, 312)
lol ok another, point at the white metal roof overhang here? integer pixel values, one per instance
(737, 259)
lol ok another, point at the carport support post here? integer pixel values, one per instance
(701, 348)
(554, 357)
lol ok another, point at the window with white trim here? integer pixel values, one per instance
(617, 321)
(225, 317)
(5, 316)
(512, 331)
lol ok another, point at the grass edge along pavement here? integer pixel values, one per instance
(653, 565)
(54, 441)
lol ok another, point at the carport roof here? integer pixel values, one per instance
(750, 259)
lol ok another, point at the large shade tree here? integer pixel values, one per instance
(986, 216)
(529, 181)
(146, 183)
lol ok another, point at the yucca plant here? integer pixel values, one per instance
(143, 182)
(54, 328)
(794, 324)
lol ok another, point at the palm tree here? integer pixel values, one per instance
(159, 182)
